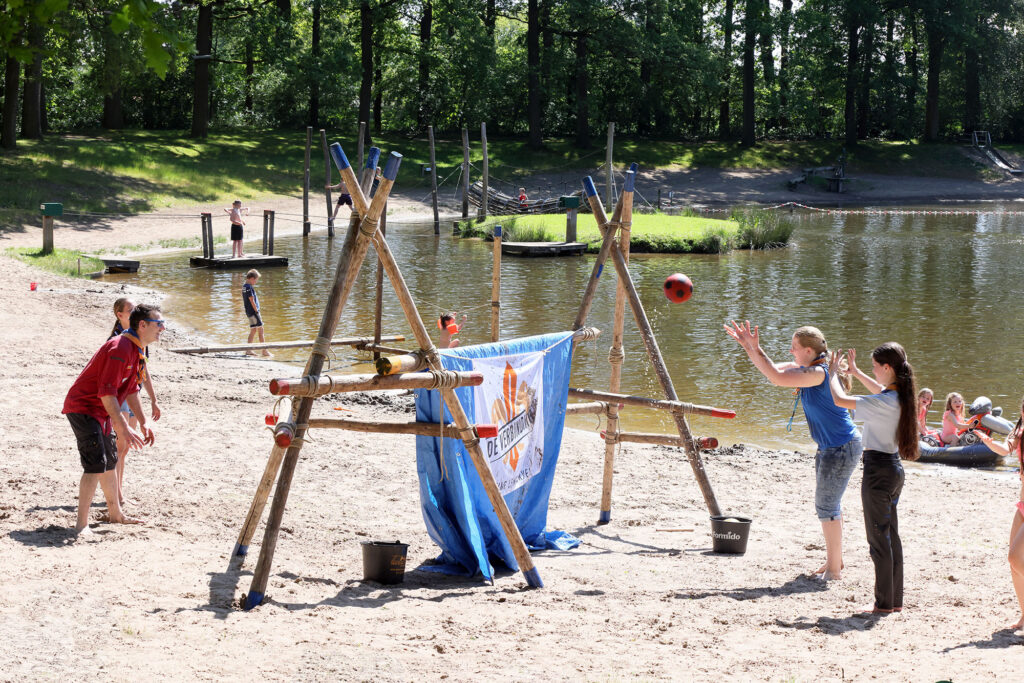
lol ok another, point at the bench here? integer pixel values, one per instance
(836, 184)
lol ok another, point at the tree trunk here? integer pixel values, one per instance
(766, 42)
(284, 9)
(201, 83)
(31, 101)
(490, 17)
(546, 53)
(249, 69)
(9, 124)
(378, 95)
(644, 104)
(113, 113)
(852, 71)
(936, 45)
(366, 61)
(533, 91)
(864, 96)
(972, 80)
(313, 118)
(582, 105)
(423, 82)
(750, 21)
(785, 20)
(723, 105)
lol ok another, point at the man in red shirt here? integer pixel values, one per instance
(93, 409)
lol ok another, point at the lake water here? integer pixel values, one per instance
(948, 287)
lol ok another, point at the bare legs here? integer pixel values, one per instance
(86, 490)
(253, 331)
(833, 531)
(1016, 556)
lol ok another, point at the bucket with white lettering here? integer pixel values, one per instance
(729, 534)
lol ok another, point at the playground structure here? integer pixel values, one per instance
(982, 140)
(210, 260)
(292, 417)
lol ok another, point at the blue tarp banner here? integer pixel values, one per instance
(524, 392)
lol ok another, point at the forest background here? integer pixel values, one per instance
(668, 69)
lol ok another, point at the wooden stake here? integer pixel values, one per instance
(586, 408)
(341, 341)
(672, 406)
(416, 428)
(326, 384)
(465, 173)
(433, 181)
(483, 145)
(305, 183)
(327, 183)
(496, 286)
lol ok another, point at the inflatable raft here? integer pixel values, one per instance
(974, 455)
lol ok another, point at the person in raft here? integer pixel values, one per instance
(92, 405)
(122, 313)
(925, 397)
(252, 310)
(890, 433)
(839, 444)
(449, 328)
(953, 419)
(237, 223)
(1014, 444)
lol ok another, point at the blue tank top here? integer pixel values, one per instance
(830, 425)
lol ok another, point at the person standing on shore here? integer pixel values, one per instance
(839, 444)
(890, 433)
(93, 408)
(1014, 444)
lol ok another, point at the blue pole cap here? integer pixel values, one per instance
(372, 157)
(634, 166)
(588, 187)
(497, 231)
(338, 154)
(630, 181)
(391, 168)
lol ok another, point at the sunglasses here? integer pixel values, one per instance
(161, 323)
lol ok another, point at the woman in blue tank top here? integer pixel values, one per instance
(839, 445)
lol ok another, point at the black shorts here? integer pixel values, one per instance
(236, 232)
(345, 198)
(255, 320)
(97, 450)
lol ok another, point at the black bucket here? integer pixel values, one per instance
(384, 561)
(729, 534)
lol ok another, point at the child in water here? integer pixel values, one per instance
(953, 418)
(449, 328)
(925, 397)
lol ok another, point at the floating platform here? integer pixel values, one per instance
(543, 248)
(117, 265)
(245, 262)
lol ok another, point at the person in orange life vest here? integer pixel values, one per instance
(93, 409)
(449, 328)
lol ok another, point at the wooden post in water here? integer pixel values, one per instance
(270, 243)
(465, 173)
(608, 196)
(496, 286)
(207, 247)
(327, 183)
(483, 146)
(266, 230)
(433, 180)
(305, 183)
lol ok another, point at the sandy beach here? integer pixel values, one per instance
(641, 598)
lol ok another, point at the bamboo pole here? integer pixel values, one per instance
(305, 183)
(433, 181)
(407, 362)
(486, 176)
(450, 431)
(259, 501)
(327, 183)
(326, 384)
(378, 349)
(586, 408)
(496, 286)
(351, 258)
(341, 341)
(703, 442)
(651, 344)
(672, 406)
(465, 172)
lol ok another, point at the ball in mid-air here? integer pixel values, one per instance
(678, 288)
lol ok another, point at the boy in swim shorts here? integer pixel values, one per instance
(252, 309)
(237, 223)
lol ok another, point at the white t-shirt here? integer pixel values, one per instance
(880, 414)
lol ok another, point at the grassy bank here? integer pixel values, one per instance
(60, 261)
(650, 233)
(141, 171)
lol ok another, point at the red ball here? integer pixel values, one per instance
(678, 288)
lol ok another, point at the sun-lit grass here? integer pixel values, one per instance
(62, 261)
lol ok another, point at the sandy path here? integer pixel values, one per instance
(631, 602)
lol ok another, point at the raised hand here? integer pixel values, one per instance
(746, 336)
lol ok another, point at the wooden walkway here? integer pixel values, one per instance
(543, 248)
(499, 203)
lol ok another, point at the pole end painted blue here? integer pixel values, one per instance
(497, 231)
(588, 186)
(338, 154)
(373, 157)
(605, 517)
(391, 168)
(241, 550)
(253, 599)
(600, 269)
(630, 181)
(634, 166)
(533, 578)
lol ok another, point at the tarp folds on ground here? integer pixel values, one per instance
(526, 384)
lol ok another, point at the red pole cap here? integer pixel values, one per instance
(722, 412)
(279, 387)
(707, 442)
(487, 431)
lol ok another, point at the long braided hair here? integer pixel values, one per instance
(893, 355)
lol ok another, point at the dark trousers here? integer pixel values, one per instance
(880, 492)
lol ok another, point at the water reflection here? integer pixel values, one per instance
(947, 287)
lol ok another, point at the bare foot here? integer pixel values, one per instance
(127, 501)
(123, 519)
(268, 354)
(85, 531)
(871, 609)
(249, 353)
(1019, 625)
(822, 569)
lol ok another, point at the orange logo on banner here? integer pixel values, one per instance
(514, 399)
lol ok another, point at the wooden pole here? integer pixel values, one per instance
(209, 234)
(203, 217)
(378, 304)
(650, 343)
(360, 144)
(341, 341)
(433, 180)
(327, 183)
(326, 384)
(465, 173)
(351, 258)
(609, 197)
(483, 146)
(450, 431)
(407, 362)
(672, 406)
(259, 501)
(586, 408)
(47, 234)
(496, 286)
(266, 230)
(270, 242)
(703, 442)
(305, 183)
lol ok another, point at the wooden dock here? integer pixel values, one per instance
(117, 265)
(245, 262)
(543, 248)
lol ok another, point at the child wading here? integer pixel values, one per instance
(890, 433)
(252, 309)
